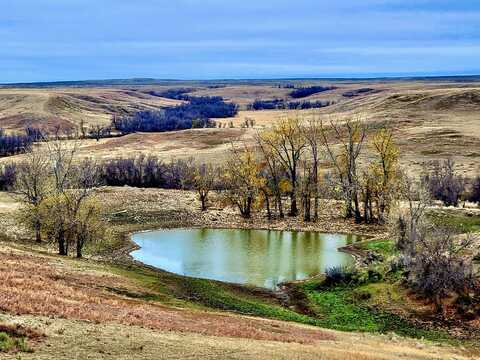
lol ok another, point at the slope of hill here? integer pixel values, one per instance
(432, 119)
(65, 108)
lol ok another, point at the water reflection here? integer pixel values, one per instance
(257, 257)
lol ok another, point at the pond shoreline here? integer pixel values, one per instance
(355, 253)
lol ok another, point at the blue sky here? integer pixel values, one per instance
(50, 40)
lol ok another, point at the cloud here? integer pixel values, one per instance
(201, 38)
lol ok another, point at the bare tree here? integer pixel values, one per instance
(312, 132)
(307, 188)
(274, 172)
(350, 136)
(74, 183)
(33, 184)
(444, 184)
(409, 223)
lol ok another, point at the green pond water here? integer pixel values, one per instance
(255, 257)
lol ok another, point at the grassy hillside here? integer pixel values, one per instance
(431, 118)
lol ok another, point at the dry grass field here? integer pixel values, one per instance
(67, 107)
(86, 312)
(430, 119)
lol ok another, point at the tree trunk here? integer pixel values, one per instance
(267, 204)
(203, 199)
(366, 205)
(315, 210)
(79, 248)
(315, 184)
(62, 249)
(307, 205)
(358, 216)
(280, 206)
(248, 208)
(293, 195)
(245, 208)
(293, 205)
(348, 208)
(38, 235)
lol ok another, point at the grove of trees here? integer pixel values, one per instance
(310, 90)
(18, 143)
(197, 113)
(58, 195)
(282, 104)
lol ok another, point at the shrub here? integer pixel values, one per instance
(7, 176)
(444, 184)
(474, 195)
(337, 275)
(437, 265)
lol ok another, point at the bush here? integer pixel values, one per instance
(444, 184)
(7, 176)
(337, 275)
(439, 266)
(474, 195)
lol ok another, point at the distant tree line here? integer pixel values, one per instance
(197, 113)
(286, 86)
(175, 94)
(18, 143)
(307, 91)
(282, 104)
(357, 92)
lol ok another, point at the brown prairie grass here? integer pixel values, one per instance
(45, 286)
(17, 330)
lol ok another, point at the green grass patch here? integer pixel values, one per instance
(346, 308)
(383, 247)
(354, 308)
(461, 222)
(177, 290)
(10, 343)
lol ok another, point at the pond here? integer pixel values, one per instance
(255, 257)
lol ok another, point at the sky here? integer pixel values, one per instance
(57, 40)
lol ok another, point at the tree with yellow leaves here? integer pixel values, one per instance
(286, 143)
(203, 180)
(385, 170)
(243, 180)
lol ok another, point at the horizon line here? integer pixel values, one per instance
(151, 80)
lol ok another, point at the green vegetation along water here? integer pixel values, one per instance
(255, 257)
